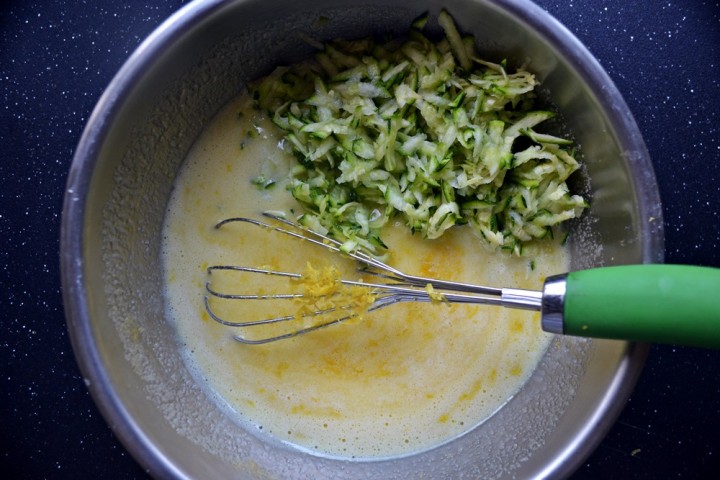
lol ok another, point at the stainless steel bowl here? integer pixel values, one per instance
(122, 175)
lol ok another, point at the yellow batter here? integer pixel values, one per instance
(403, 379)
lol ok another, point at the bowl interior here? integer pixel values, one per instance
(123, 173)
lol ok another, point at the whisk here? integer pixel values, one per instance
(657, 303)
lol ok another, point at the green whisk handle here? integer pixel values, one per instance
(654, 303)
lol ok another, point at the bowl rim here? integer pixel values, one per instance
(98, 126)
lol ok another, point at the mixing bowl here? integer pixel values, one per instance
(117, 194)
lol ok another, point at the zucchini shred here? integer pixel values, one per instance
(421, 130)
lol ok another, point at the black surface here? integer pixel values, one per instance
(56, 57)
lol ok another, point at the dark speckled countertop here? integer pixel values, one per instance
(57, 56)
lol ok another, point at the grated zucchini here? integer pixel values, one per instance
(422, 130)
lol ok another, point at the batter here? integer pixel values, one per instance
(404, 379)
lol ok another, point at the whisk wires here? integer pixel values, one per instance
(336, 307)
